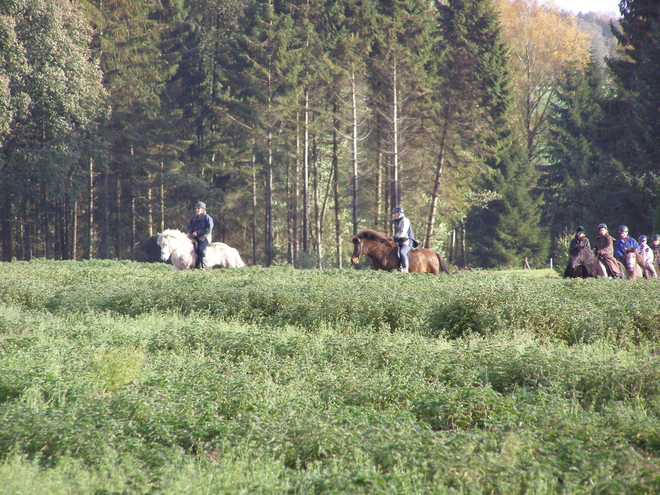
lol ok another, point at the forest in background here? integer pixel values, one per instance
(499, 125)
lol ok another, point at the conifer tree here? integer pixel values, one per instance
(508, 231)
(581, 172)
(633, 117)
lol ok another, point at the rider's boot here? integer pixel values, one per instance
(202, 263)
(404, 265)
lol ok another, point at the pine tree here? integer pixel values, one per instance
(633, 117)
(580, 172)
(508, 230)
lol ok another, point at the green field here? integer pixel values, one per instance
(119, 377)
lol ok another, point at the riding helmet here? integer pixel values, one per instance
(397, 209)
(623, 228)
(579, 229)
(642, 238)
(602, 226)
(200, 205)
(655, 237)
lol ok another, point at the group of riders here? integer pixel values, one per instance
(613, 251)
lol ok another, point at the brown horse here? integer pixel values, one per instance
(383, 254)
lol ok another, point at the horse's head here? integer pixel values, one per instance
(580, 255)
(358, 250)
(164, 244)
(630, 258)
(369, 241)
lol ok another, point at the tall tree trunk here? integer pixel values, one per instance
(317, 208)
(133, 206)
(133, 223)
(74, 232)
(269, 201)
(379, 190)
(44, 216)
(296, 195)
(438, 178)
(463, 252)
(27, 238)
(20, 234)
(305, 227)
(90, 212)
(105, 241)
(335, 184)
(118, 233)
(161, 198)
(254, 206)
(150, 209)
(6, 230)
(396, 199)
(354, 138)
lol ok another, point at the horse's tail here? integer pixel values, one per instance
(443, 265)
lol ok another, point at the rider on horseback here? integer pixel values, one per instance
(605, 251)
(200, 229)
(580, 240)
(403, 235)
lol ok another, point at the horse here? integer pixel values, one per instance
(383, 254)
(180, 248)
(633, 263)
(583, 263)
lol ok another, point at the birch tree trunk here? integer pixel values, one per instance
(438, 173)
(161, 198)
(254, 206)
(150, 209)
(354, 142)
(335, 185)
(396, 199)
(305, 226)
(90, 212)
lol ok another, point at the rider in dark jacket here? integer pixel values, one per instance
(200, 229)
(580, 240)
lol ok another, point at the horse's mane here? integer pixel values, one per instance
(177, 234)
(372, 235)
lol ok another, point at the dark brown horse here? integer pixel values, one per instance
(584, 263)
(383, 254)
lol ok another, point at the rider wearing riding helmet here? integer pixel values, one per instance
(647, 255)
(623, 243)
(580, 240)
(200, 229)
(403, 235)
(605, 252)
(655, 245)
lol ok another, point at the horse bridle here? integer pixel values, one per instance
(169, 246)
(360, 256)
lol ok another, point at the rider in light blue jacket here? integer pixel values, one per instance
(623, 243)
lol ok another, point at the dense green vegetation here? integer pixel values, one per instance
(118, 377)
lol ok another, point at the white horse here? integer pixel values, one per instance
(179, 246)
